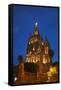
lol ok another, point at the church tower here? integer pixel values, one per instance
(46, 57)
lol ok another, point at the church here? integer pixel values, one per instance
(37, 50)
(37, 67)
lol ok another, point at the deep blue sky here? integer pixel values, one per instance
(24, 18)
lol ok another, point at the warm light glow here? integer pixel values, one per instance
(30, 52)
(33, 49)
(15, 79)
(42, 43)
(31, 41)
(49, 74)
(36, 59)
(53, 69)
(28, 60)
(44, 59)
(46, 50)
(33, 60)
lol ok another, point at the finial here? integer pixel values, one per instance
(36, 24)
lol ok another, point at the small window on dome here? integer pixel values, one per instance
(33, 49)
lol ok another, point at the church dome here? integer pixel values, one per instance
(34, 42)
(37, 50)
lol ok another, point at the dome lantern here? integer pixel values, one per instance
(36, 32)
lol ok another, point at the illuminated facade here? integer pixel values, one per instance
(37, 50)
(38, 67)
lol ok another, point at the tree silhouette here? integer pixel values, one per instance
(20, 59)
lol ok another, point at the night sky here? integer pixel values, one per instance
(24, 18)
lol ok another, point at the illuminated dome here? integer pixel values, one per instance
(34, 42)
(37, 50)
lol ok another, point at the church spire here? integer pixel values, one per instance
(36, 24)
(36, 32)
(46, 42)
